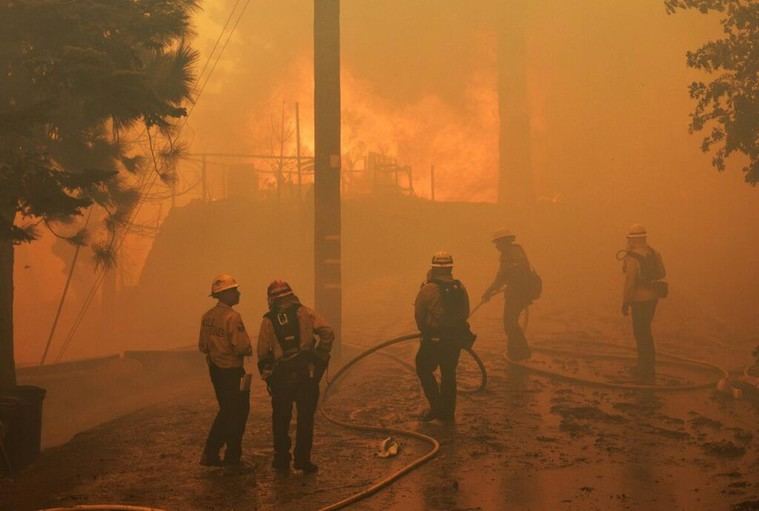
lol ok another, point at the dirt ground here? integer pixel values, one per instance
(527, 442)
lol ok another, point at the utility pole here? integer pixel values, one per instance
(327, 225)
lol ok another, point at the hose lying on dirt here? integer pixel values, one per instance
(374, 488)
(102, 507)
(672, 359)
(668, 358)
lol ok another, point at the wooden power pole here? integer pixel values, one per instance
(327, 225)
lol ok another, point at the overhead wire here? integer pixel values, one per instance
(57, 317)
(149, 182)
(216, 62)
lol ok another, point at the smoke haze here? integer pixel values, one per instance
(608, 113)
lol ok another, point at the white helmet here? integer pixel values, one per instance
(222, 282)
(442, 259)
(636, 231)
(503, 234)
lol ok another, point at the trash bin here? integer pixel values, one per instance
(10, 411)
(21, 413)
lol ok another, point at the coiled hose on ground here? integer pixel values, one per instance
(386, 481)
(670, 359)
(374, 488)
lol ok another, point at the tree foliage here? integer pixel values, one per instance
(77, 76)
(728, 105)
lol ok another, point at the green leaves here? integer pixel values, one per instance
(730, 103)
(77, 75)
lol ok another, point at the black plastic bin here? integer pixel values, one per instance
(21, 413)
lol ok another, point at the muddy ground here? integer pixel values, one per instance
(527, 442)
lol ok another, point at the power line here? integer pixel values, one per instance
(63, 295)
(149, 182)
(216, 62)
(216, 44)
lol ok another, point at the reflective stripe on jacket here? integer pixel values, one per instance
(311, 324)
(223, 337)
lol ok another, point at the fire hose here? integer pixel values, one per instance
(665, 357)
(435, 445)
(374, 488)
(386, 481)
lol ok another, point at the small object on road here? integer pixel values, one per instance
(389, 448)
(724, 385)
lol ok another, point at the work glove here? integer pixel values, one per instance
(320, 361)
(268, 385)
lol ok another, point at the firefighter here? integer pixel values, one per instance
(441, 310)
(644, 270)
(294, 346)
(515, 274)
(225, 342)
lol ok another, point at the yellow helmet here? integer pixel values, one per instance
(636, 231)
(503, 234)
(222, 282)
(442, 259)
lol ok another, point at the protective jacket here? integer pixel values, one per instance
(310, 334)
(513, 271)
(636, 288)
(223, 337)
(429, 309)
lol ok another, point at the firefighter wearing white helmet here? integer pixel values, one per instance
(520, 286)
(644, 270)
(225, 342)
(441, 310)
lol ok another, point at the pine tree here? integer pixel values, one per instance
(78, 78)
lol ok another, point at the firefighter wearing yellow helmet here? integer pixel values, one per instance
(225, 342)
(441, 310)
(520, 286)
(644, 285)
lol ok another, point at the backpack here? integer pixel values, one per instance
(534, 285)
(455, 314)
(527, 282)
(652, 271)
(454, 300)
(651, 266)
(286, 328)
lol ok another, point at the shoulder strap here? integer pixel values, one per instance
(447, 285)
(286, 327)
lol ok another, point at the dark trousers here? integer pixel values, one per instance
(234, 406)
(431, 355)
(300, 387)
(516, 342)
(642, 316)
